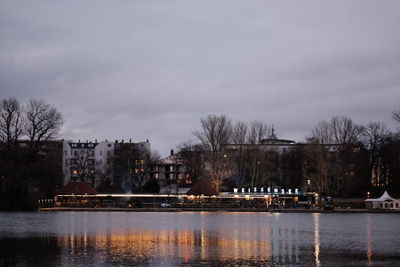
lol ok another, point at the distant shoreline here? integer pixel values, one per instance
(216, 210)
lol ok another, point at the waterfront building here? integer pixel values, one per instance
(95, 161)
(171, 170)
(132, 165)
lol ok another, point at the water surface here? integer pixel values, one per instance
(198, 238)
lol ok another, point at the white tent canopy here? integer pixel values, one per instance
(384, 197)
(384, 202)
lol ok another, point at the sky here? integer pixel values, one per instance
(152, 69)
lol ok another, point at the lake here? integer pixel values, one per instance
(198, 238)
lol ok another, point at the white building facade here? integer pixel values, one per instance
(90, 161)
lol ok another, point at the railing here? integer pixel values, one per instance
(45, 203)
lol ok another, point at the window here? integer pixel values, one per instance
(171, 168)
(109, 145)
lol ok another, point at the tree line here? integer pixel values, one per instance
(28, 166)
(339, 157)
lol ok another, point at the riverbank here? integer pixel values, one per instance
(215, 210)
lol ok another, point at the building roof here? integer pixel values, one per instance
(77, 188)
(202, 188)
(385, 197)
(171, 160)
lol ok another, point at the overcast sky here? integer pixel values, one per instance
(152, 69)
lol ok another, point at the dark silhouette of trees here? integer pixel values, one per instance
(83, 166)
(42, 123)
(11, 124)
(30, 161)
(334, 148)
(133, 167)
(193, 160)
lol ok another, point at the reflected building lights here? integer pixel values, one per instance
(317, 244)
(169, 243)
(369, 241)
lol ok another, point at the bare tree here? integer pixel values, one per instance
(104, 174)
(259, 161)
(193, 159)
(374, 138)
(374, 134)
(42, 123)
(320, 160)
(239, 133)
(143, 162)
(322, 133)
(133, 167)
(82, 166)
(10, 121)
(344, 131)
(396, 115)
(239, 137)
(258, 131)
(220, 168)
(216, 132)
(24, 129)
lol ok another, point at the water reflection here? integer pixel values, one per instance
(186, 245)
(75, 239)
(369, 241)
(317, 244)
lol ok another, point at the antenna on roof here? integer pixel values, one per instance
(273, 136)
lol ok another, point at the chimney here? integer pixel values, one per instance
(130, 140)
(122, 141)
(116, 141)
(95, 140)
(147, 140)
(79, 140)
(172, 152)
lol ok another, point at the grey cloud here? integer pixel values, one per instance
(152, 69)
